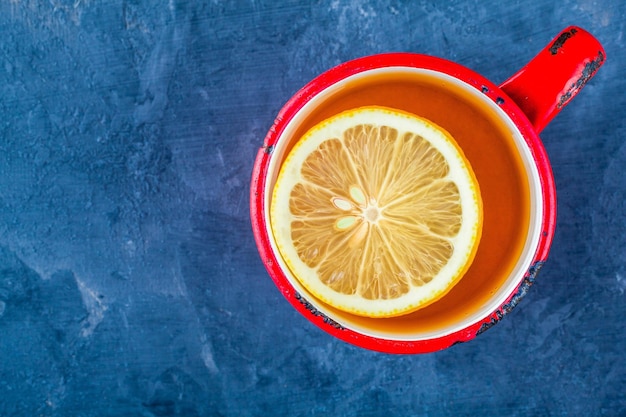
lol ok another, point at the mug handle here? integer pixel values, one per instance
(552, 78)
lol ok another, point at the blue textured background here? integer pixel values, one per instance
(129, 280)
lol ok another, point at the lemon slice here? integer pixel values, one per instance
(376, 212)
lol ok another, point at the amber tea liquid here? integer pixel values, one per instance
(503, 176)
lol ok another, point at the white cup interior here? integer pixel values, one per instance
(499, 296)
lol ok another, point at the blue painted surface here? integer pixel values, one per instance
(129, 280)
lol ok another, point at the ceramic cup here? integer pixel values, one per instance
(510, 162)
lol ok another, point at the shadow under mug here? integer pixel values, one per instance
(496, 126)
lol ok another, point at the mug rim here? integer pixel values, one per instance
(411, 61)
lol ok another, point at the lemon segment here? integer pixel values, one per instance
(376, 212)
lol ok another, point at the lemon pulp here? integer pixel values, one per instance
(376, 212)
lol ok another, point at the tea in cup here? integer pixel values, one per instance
(496, 130)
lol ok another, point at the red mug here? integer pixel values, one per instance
(519, 216)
